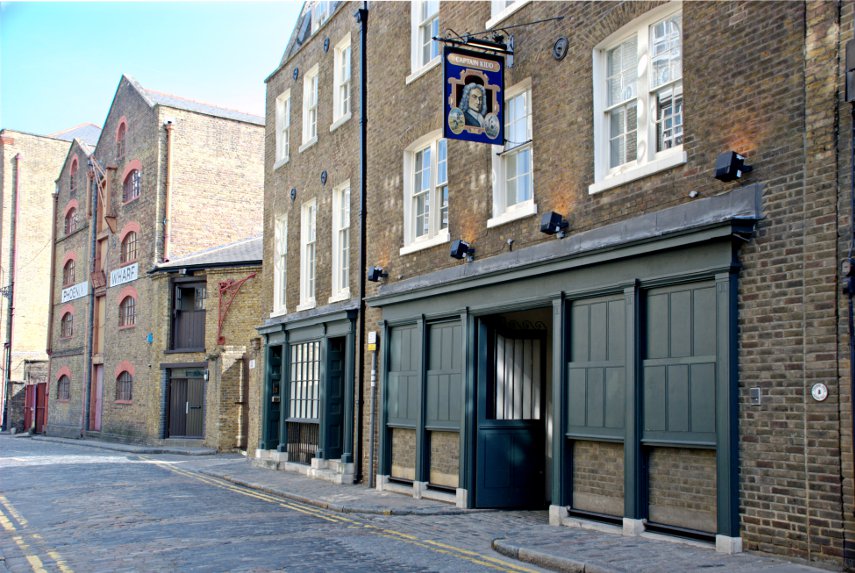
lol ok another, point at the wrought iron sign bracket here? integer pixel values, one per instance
(228, 291)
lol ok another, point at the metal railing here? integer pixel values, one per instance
(302, 441)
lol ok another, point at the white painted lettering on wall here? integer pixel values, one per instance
(75, 291)
(124, 274)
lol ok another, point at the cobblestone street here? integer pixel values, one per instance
(67, 506)
(81, 509)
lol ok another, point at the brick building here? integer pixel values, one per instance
(169, 177)
(620, 335)
(28, 168)
(207, 310)
(311, 282)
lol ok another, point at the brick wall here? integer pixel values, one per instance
(40, 161)
(67, 354)
(444, 458)
(598, 477)
(771, 95)
(680, 491)
(403, 453)
(216, 167)
(336, 153)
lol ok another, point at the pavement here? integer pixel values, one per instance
(589, 548)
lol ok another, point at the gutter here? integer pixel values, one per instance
(362, 19)
(49, 345)
(10, 294)
(90, 335)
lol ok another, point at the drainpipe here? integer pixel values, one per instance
(167, 221)
(90, 335)
(10, 293)
(362, 18)
(371, 419)
(49, 346)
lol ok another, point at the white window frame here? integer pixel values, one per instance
(649, 160)
(417, 64)
(436, 235)
(308, 254)
(341, 243)
(280, 265)
(342, 82)
(283, 128)
(321, 12)
(311, 87)
(501, 9)
(502, 212)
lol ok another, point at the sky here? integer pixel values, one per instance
(61, 62)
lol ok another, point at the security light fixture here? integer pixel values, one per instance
(730, 166)
(376, 273)
(553, 223)
(460, 249)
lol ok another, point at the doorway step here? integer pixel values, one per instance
(334, 471)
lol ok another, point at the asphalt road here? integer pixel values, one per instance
(67, 508)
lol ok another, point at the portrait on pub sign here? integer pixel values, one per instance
(474, 86)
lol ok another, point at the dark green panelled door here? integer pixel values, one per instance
(334, 399)
(273, 396)
(510, 465)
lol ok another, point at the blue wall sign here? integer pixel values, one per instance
(474, 96)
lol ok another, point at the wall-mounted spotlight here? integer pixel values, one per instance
(730, 166)
(460, 249)
(376, 273)
(553, 223)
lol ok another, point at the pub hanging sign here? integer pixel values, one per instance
(474, 87)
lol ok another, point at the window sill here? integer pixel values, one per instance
(308, 144)
(520, 211)
(338, 297)
(308, 305)
(183, 350)
(340, 121)
(660, 164)
(129, 201)
(279, 163)
(127, 327)
(505, 13)
(279, 312)
(63, 400)
(419, 245)
(423, 70)
(123, 402)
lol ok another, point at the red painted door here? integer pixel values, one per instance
(95, 399)
(41, 406)
(29, 406)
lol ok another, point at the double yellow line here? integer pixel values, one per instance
(320, 513)
(14, 523)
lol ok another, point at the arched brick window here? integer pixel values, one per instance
(66, 325)
(63, 388)
(129, 248)
(68, 277)
(124, 387)
(128, 311)
(120, 141)
(131, 186)
(71, 221)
